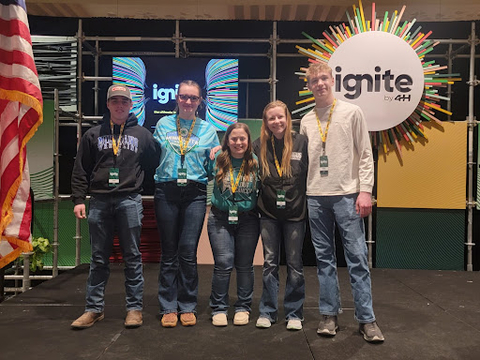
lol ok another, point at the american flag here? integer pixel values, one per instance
(20, 116)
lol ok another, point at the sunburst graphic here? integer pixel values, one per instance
(412, 128)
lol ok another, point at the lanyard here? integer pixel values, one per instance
(184, 144)
(235, 183)
(277, 164)
(116, 145)
(324, 136)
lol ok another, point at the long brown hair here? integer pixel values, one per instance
(265, 136)
(224, 161)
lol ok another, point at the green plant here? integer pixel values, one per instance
(41, 246)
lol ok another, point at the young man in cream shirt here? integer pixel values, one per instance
(339, 186)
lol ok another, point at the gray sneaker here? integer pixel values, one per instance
(371, 332)
(328, 326)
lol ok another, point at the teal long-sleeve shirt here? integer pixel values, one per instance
(245, 196)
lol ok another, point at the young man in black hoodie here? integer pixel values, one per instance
(110, 165)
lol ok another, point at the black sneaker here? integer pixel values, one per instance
(328, 326)
(371, 332)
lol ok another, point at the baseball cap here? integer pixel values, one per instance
(119, 90)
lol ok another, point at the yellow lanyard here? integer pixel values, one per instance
(184, 144)
(277, 164)
(235, 183)
(324, 136)
(116, 145)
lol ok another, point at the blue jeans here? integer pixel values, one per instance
(324, 213)
(232, 246)
(180, 213)
(293, 234)
(107, 213)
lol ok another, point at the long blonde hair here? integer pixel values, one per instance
(224, 162)
(265, 136)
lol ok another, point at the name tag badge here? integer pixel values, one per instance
(296, 156)
(113, 177)
(233, 215)
(182, 177)
(324, 165)
(281, 199)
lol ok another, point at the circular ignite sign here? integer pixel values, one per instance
(381, 73)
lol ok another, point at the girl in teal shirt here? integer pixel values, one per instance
(233, 224)
(180, 202)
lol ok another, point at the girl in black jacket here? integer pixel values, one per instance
(283, 162)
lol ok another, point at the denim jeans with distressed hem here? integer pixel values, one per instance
(233, 246)
(292, 233)
(180, 213)
(324, 213)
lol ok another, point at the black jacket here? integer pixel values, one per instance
(138, 151)
(295, 186)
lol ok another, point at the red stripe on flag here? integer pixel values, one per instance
(25, 226)
(15, 27)
(18, 57)
(9, 131)
(22, 85)
(10, 175)
(27, 123)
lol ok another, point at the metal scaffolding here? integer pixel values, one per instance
(180, 43)
(180, 48)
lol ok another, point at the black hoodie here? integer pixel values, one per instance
(138, 151)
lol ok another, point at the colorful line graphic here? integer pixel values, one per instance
(131, 72)
(221, 82)
(412, 128)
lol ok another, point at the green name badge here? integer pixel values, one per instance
(233, 215)
(324, 165)
(182, 177)
(281, 199)
(113, 177)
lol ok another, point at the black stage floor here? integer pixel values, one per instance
(423, 314)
